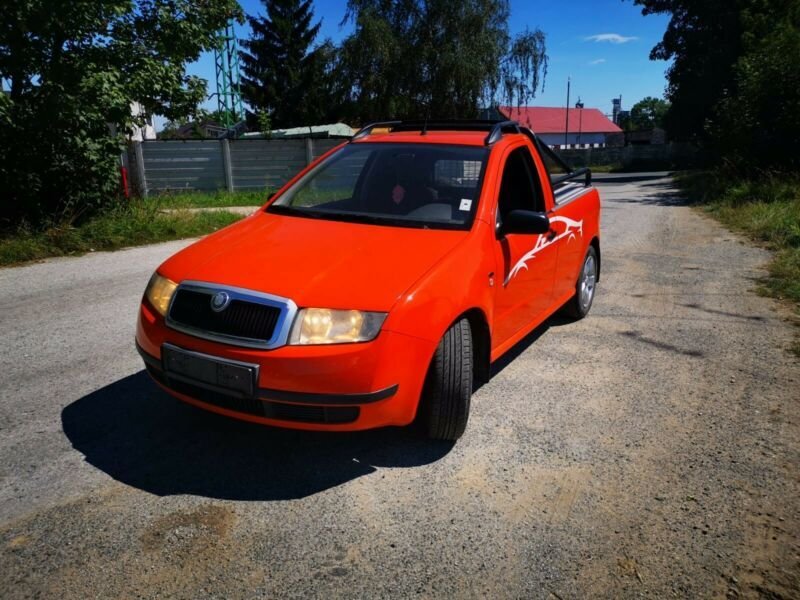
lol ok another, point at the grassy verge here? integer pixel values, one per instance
(768, 211)
(208, 199)
(640, 167)
(133, 224)
(605, 168)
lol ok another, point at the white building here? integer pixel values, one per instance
(147, 132)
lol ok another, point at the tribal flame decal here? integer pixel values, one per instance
(570, 227)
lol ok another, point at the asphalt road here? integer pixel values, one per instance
(651, 450)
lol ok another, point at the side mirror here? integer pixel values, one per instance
(525, 222)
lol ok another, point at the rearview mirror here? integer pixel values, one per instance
(524, 221)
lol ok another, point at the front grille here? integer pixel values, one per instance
(240, 319)
(253, 406)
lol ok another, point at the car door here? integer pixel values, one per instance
(526, 263)
(568, 202)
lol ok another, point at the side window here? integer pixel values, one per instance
(518, 188)
(552, 164)
(560, 173)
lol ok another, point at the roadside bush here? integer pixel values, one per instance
(130, 224)
(72, 71)
(767, 209)
(58, 159)
(219, 198)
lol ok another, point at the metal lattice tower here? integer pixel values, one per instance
(226, 60)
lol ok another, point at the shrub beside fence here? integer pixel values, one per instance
(656, 157)
(210, 165)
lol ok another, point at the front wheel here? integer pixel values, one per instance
(444, 406)
(580, 304)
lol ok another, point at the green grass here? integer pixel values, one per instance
(605, 168)
(311, 196)
(209, 199)
(768, 211)
(132, 224)
(636, 167)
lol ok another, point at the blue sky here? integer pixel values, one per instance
(603, 45)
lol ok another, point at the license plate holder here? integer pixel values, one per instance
(206, 370)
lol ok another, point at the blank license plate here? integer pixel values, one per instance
(222, 374)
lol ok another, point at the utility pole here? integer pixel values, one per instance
(566, 129)
(226, 61)
(579, 106)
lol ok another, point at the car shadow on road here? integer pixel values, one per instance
(557, 320)
(144, 438)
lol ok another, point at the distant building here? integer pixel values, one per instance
(646, 137)
(333, 130)
(195, 130)
(588, 127)
(146, 131)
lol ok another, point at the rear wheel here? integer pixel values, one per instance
(580, 304)
(444, 406)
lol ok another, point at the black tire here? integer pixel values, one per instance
(577, 307)
(444, 406)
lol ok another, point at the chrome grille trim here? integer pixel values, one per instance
(280, 335)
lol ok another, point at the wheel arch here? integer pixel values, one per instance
(596, 244)
(482, 341)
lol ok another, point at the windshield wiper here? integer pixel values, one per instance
(359, 217)
(355, 217)
(331, 215)
(282, 209)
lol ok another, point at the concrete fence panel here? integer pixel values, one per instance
(321, 146)
(210, 165)
(182, 166)
(259, 164)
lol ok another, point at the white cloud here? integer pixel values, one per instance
(599, 61)
(614, 38)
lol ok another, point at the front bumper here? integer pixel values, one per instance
(338, 387)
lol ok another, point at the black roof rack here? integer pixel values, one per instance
(495, 128)
(367, 129)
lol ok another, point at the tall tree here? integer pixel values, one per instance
(73, 69)
(734, 83)
(284, 75)
(437, 58)
(648, 113)
(757, 125)
(703, 40)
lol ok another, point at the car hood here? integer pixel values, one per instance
(314, 262)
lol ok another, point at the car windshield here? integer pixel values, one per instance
(410, 185)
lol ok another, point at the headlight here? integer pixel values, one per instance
(159, 292)
(326, 326)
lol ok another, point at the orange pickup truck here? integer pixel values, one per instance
(378, 285)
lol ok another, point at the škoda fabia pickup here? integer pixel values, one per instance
(378, 285)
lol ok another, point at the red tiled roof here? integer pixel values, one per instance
(542, 119)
